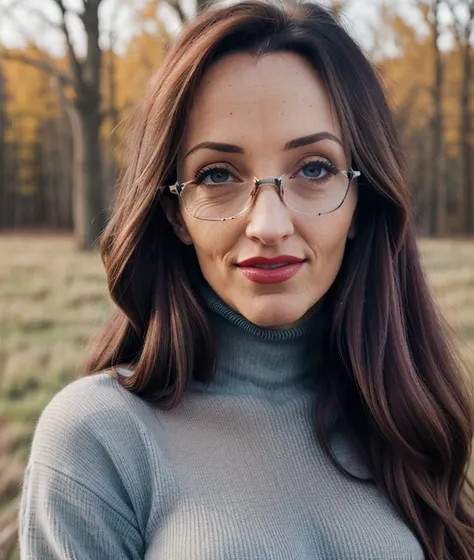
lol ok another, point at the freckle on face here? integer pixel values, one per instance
(240, 102)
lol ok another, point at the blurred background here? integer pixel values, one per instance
(71, 73)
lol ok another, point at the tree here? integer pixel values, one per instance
(85, 74)
(463, 16)
(435, 184)
(83, 77)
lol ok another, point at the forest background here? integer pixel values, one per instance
(71, 74)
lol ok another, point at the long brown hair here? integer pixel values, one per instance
(392, 374)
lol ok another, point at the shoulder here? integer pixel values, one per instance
(88, 401)
(93, 419)
(89, 396)
(96, 440)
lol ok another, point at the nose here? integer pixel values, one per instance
(269, 220)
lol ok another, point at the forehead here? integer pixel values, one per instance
(271, 98)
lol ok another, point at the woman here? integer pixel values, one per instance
(277, 382)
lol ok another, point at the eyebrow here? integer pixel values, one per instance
(311, 139)
(291, 145)
(216, 146)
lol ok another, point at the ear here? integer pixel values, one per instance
(175, 218)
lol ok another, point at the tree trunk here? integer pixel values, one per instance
(465, 135)
(437, 209)
(113, 110)
(110, 163)
(65, 150)
(89, 218)
(85, 119)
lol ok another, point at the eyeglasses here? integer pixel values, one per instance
(215, 195)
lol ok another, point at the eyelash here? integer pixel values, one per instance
(325, 164)
(201, 174)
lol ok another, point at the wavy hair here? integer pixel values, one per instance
(393, 375)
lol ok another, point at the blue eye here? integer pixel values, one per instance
(314, 170)
(317, 170)
(214, 176)
(218, 175)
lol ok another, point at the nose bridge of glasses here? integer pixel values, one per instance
(269, 216)
(275, 181)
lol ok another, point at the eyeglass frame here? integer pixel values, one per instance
(177, 188)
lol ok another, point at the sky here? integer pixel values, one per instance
(361, 18)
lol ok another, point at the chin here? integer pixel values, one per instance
(274, 318)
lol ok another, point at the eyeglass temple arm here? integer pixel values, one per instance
(176, 188)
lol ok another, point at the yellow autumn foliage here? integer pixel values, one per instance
(408, 77)
(132, 72)
(30, 99)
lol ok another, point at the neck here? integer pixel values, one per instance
(256, 360)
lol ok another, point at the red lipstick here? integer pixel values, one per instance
(270, 271)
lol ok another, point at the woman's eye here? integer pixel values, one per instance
(219, 176)
(314, 170)
(216, 176)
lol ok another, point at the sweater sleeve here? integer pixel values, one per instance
(61, 518)
(88, 489)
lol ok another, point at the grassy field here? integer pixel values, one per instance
(53, 299)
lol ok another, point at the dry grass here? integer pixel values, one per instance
(450, 268)
(53, 299)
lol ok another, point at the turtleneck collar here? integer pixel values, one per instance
(255, 360)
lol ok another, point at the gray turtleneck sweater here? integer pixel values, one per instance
(232, 473)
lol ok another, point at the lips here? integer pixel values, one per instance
(263, 270)
(264, 262)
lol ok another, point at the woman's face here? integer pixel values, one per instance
(259, 105)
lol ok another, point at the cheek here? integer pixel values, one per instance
(212, 240)
(327, 237)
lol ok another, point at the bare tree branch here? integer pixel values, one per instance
(74, 61)
(8, 12)
(203, 5)
(45, 19)
(41, 64)
(470, 24)
(175, 4)
(461, 30)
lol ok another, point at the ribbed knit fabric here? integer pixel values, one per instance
(232, 473)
